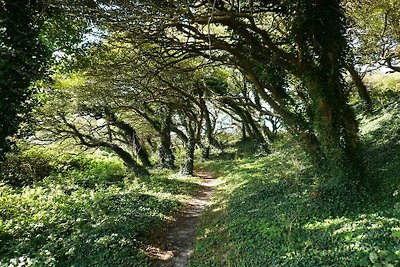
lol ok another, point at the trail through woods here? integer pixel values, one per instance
(177, 244)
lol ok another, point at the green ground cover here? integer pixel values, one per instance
(94, 214)
(269, 211)
(63, 210)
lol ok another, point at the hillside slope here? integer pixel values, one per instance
(269, 213)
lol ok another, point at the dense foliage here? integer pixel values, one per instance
(269, 214)
(23, 58)
(88, 212)
(103, 102)
(31, 34)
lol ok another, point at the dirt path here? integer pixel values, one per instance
(178, 245)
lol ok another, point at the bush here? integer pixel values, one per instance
(384, 89)
(25, 168)
(100, 215)
(35, 163)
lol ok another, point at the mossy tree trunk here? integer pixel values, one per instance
(333, 119)
(24, 59)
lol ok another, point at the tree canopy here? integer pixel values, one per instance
(176, 66)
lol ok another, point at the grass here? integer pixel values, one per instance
(268, 212)
(97, 215)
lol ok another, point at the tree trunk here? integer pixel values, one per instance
(23, 60)
(90, 141)
(311, 145)
(210, 139)
(131, 138)
(151, 144)
(267, 132)
(361, 88)
(337, 136)
(249, 125)
(333, 120)
(255, 133)
(188, 166)
(390, 65)
(209, 127)
(129, 161)
(244, 131)
(141, 151)
(205, 154)
(335, 127)
(166, 156)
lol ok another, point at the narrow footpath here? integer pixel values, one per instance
(178, 244)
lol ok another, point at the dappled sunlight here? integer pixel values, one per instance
(199, 133)
(158, 253)
(375, 123)
(275, 217)
(325, 224)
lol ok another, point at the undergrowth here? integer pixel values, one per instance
(89, 212)
(269, 212)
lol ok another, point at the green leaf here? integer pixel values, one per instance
(373, 257)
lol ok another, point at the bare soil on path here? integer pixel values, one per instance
(177, 244)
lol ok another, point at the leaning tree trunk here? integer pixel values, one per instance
(361, 88)
(129, 161)
(257, 135)
(254, 131)
(249, 126)
(140, 151)
(210, 139)
(90, 141)
(131, 138)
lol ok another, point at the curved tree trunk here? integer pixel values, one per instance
(249, 126)
(361, 88)
(129, 161)
(132, 139)
(90, 141)
(390, 65)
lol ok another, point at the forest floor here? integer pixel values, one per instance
(175, 244)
